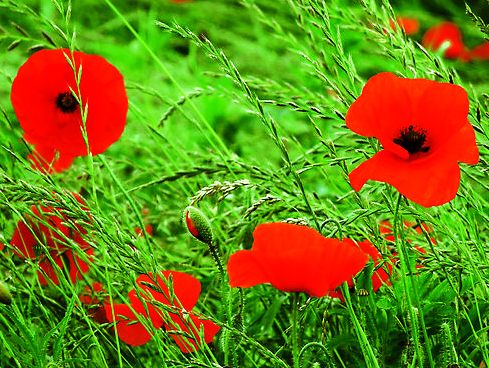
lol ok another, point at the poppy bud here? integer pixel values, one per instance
(198, 225)
(5, 296)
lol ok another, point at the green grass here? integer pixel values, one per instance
(246, 124)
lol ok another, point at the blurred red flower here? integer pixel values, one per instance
(45, 226)
(90, 296)
(295, 258)
(90, 293)
(47, 101)
(148, 228)
(436, 36)
(409, 25)
(423, 128)
(387, 231)
(176, 318)
(480, 52)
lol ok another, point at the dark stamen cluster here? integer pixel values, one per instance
(66, 102)
(412, 139)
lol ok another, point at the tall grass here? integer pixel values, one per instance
(238, 109)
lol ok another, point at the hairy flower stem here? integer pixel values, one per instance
(295, 342)
(217, 258)
(409, 285)
(237, 323)
(367, 350)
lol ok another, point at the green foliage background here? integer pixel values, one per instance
(238, 108)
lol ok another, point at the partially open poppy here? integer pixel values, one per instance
(409, 25)
(423, 128)
(295, 258)
(176, 318)
(445, 32)
(46, 227)
(47, 102)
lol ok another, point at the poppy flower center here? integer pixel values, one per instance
(66, 102)
(412, 139)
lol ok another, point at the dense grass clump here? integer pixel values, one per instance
(237, 108)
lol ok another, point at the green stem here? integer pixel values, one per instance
(367, 350)
(295, 342)
(217, 258)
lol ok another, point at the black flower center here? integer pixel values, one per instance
(412, 139)
(66, 102)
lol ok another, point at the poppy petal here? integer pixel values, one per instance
(245, 270)
(409, 25)
(77, 266)
(480, 52)
(371, 115)
(129, 329)
(186, 288)
(185, 331)
(295, 258)
(23, 241)
(449, 32)
(89, 294)
(442, 111)
(48, 160)
(292, 270)
(337, 271)
(428, 182)
(49, 271)
(462, 146)
(155, 315)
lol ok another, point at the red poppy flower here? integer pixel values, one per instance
(46, 227)
(182, 325)
(480, 52)
(409, 25)
(295, 258)
(423, 128)
(46, 100)
(438, 35)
